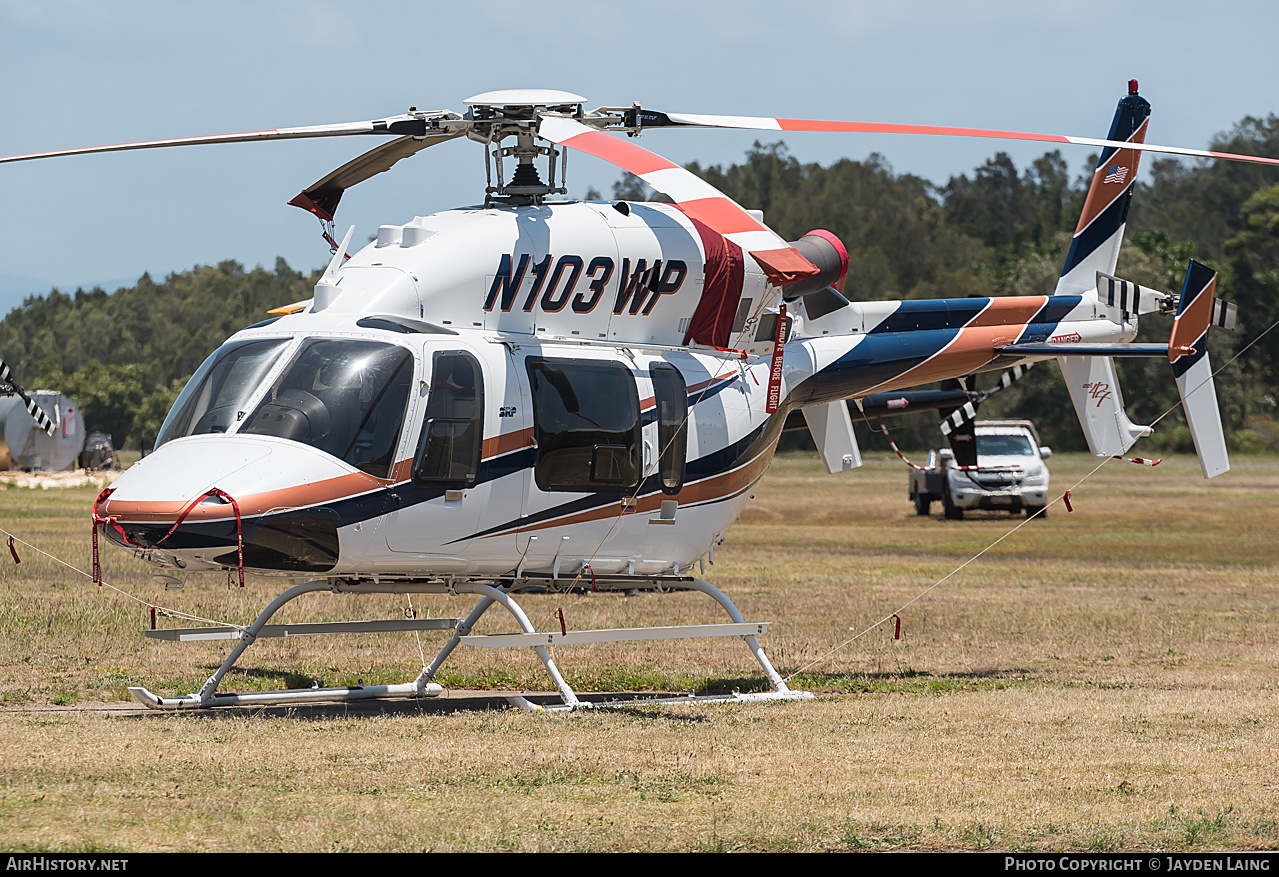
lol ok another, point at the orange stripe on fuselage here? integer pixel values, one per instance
(506, 442)
(1000, 323)
(714, 488)
(297, 496)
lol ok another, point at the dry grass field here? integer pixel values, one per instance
(1101, 680)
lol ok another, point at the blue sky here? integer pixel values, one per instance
(82, 73)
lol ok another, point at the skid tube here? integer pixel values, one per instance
(490, 592)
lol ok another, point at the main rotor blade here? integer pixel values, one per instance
(395, 125)
(652, 119)
(322, 197)
(695, 197)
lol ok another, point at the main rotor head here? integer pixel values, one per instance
(497, 115)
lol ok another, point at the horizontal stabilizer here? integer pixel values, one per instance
(1107, 350)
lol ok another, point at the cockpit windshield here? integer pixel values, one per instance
(346, 398)
(214, 399)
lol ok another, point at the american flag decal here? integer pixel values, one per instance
(1115, 174)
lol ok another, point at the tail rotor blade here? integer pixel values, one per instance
(9, 386)
(37, 413)
(1007, 379)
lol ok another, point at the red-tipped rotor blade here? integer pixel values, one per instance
(764, 123)
(694, 196)
(321, 197)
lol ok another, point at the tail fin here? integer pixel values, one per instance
(1094, 387)
(1188, 352)
(1101, 225)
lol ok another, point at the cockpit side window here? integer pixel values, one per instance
(586, 423)
(346, 398)
(671, 398)
(214, 399)
(453, 430)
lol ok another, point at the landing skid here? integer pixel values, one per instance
(490, 592)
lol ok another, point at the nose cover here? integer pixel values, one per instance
(292, 499)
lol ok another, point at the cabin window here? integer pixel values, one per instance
(346, 398)
(586, 423)
(453, 432)
(671, 398)
(214, 399)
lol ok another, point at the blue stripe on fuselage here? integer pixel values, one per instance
(1048, 318)
(931, 314)
(876, 360)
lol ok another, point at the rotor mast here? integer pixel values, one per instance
(496, 116)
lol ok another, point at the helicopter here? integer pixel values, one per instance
(533, 394)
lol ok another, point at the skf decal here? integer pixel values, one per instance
(1072, 338)
(553, 288)
(1099, 391)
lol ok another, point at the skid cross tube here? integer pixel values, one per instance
(208, 694)
(538, 642)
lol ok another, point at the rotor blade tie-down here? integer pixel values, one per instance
(113, 521)
(1142, 460)
(1065, 497)
(239, 527)
(333, 244)
(892, 444)
(14, 552)
(897, 626)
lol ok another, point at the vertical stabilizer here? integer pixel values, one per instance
(832, 430)
(1094, 388)
(1188, 352)
(1095, 246)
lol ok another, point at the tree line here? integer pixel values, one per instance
(124, 357)
(999, 230)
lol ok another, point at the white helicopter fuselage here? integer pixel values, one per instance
(502, 390)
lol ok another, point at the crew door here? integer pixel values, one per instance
(438, 511)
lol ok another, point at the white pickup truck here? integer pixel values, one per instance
(1010, 474)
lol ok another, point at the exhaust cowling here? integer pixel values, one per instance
(827, 252)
